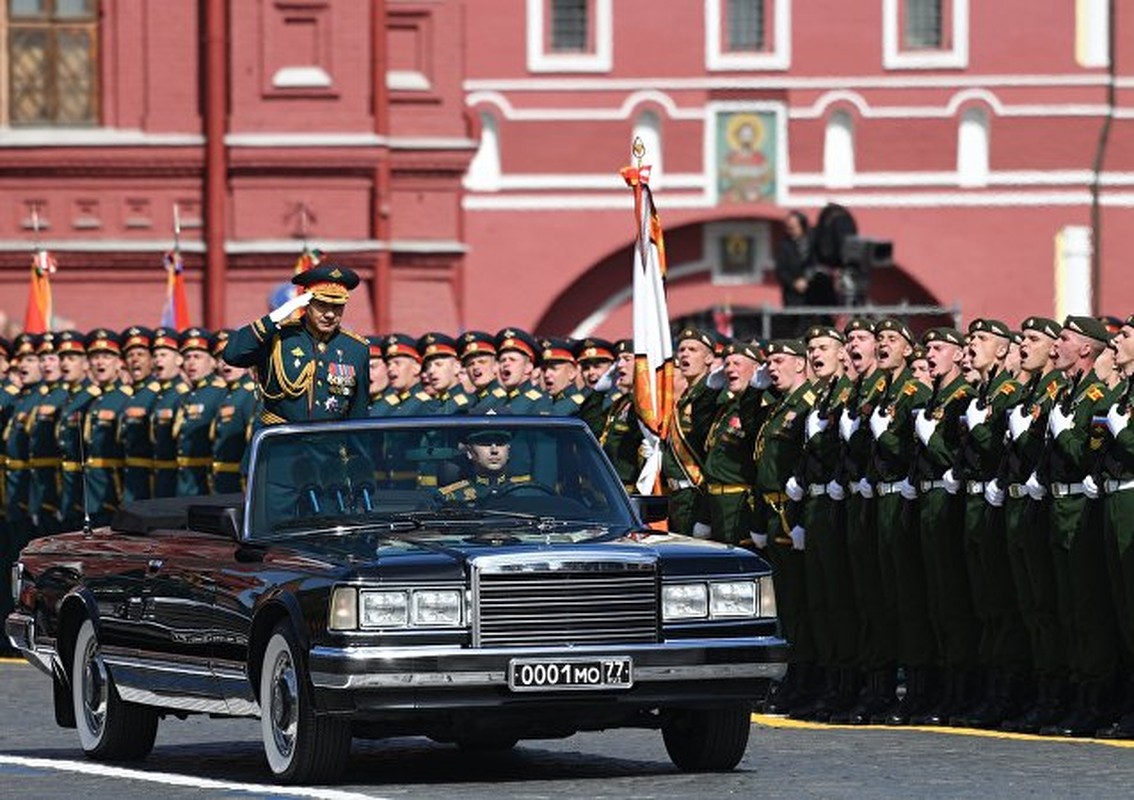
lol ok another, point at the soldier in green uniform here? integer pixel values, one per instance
(307, 366)
(134, 430)
(683, 456)
(942, 575)
(198, 408)
(777, 529)
(405, 396)
(477, 351)
(44, 461)
(621, 436)
(1085, 604)
(440, 363)
(517, 354)
(16, 441)
(379, 378)
(1027, 528)
(908, 638)
(232, 425)
(595, 357)
(1003, 651)
(171, 387)
(492, 473)
(9, 391)
(69, 430)
(102, 447)
(559, 377)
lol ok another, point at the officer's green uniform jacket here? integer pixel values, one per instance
(729, 442)
(468, 490)
(68, 432)
(191, 427)
(892, 452)
(684, 455)
(8, 397)
(823, 451)
(983, 447)
(103, 450)
(231, 430)
(620, 439)
(934, 459)
(777, 452)
(567, 403)
(527, 399)
(409, 403)
(594, 410)
(490, 398)
(19, 476)
(138, 447)
(300, 377)
(161, 434)
(44, 458)
(447, 403)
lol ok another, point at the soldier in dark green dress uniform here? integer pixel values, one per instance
(379, 378)
(517, 354)
(477, 351)
(405, 396)
(8, 393)
(16, 441)
(492, 473)
(137, 444)
(440, 363)
(307, 366)
(232, 425)
(101, 445)
(171, 387)
(44, 460)
(683, 457)
(194, 418)
(595, 357)
(621, 436)
(559, 377)
(81, 392)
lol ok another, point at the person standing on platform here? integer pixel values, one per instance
(560, 373)
(102, 469)
(81, 392)
(172, 386)
(45, 462)
(232, 425)
(137, 444)
(198, 408)
(477, 351)
(405, 396)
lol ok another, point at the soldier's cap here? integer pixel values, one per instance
(195, 339)
(328, 283)
(518, 340)
(858, 324)
(787, 347)
(399, 345)
(738, 347)
(137, 336)
(1016, 337)
(45, 344)
(1048, 327)
(918, 353)
(896, 325)
(5, 347)
(489, 436)
(555, 349)
(376, 344)
(819, 331)
(436, 345)
(593, 349)
(220, 339)
(993, 326)
(707, 338)
(103, 340)
(624, 346)
(950, 335)
(164, 339)
(1087, 326)
(1130, 321)
(476, 343)
(1113, 324)
(70, 342)
(24, 345)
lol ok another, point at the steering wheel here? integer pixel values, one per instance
(512, 488)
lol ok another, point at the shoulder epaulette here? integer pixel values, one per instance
(460, 400)
(182, 388)
(910, 387)
(1094, 393)
(354, 336)
(290, 322)
(452, 487)
(392, 398)
(249, 386)
(579, 398)
(43, 388)
(1008, 387)
(423, 396)
(1052, 389)
(844, 395)
(94, 391)
(12, 390)
(809, 397)
(533, 394)
(880, 384)
(218, 383)
(154, 386)
(499, 392)
(126, 390)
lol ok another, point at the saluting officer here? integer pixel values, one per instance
(232, 425)
(102, 470)
(44, 460)
(595, 357)
(69, 430)
(16, 440)
(134, 430)
(308, 367)
(440, 363)
(559, 377)
(196, 412)
(477, 352)
(517, 354)
(621, 436)
(171, 387)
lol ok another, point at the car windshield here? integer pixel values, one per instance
(432, 478)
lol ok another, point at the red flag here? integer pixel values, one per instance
(176, 312)
(37, 318)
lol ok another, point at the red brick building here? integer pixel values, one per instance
(983, 139)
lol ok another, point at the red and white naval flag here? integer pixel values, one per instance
(653, 344)
(38, 316)
(175, 312)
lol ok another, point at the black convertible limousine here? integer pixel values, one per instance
(478, 581)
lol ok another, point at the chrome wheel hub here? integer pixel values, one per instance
(284, 704)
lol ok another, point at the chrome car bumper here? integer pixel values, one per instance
(20, 630)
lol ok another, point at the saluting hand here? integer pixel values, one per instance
(290, 307)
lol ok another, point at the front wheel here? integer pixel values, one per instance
(301, 745)
(110, 729)
(706, 740)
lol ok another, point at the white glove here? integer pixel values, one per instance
(993, 493)
(952, 485)
(907, 490)
(759, 539)
(290, 307)
(648, 448)
(879, 422)
(924, 426)
(836, 491)
(793, 489)
(1035, 489)
(1058, 421)
(761, 378)
(865, 489)
(701, 530)
(1090, 487)
(1018, 421)
(816, 424)
(848, 425)
(1116, 421)
(605, 383)
(975, 415)
(716, 379)
(798, 537)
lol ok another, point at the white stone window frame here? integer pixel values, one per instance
(709, 144)
(712, 233)
(540, 60)
(954, 57)
(717, 59)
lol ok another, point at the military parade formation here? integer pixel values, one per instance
(948, 516)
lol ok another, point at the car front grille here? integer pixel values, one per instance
(565, 600)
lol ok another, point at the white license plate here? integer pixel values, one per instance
(543, 674)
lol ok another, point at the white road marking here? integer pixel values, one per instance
(173, 779)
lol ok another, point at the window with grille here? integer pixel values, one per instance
(569, 26)
(745, 26)
(924, 25)
(52, 62)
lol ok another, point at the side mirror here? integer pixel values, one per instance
(224, 521)
(651, 507)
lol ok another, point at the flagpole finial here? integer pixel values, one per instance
(638, 149)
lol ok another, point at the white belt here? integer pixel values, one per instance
(676, 485)
(816, 489)
(1066, 489)
(974, 487)
(1112, 486)
(928, 486)
(882, 489)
